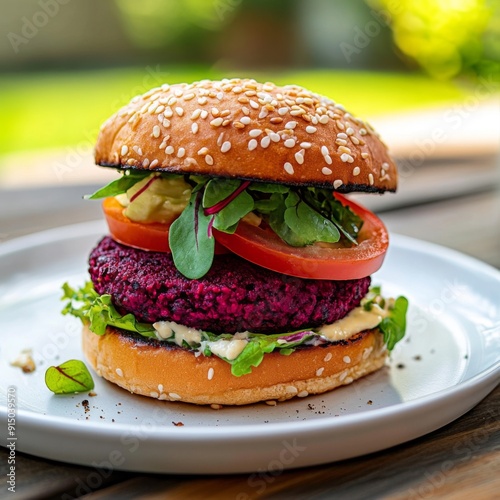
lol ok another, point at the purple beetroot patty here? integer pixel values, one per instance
(234, 296)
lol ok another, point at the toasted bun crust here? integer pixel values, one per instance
(171, 373)
(244, 129)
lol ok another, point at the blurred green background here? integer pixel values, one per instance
(67, 65)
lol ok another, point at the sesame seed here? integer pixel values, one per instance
(343, 149)
(291, 389)
(238, 125)
(160, 388)
(324, 151)
(302, 394)
(172, 101)
(288, 168)
(337, 183)
(328, 357)
(299, 157)
(119, 372)
(305, 145)
(356, 171)
(326, 171)
(145, 163)
(130, 161)
(252, 144)
(169, 150)
(343, 375)
(243, 100)
(196, 114)
(154, 394)
(210, 374)
(274, 137)
(291, 125)
(255, 132)
(297, 112)
(237, 90)
(124, 149)
(154, 163)
(265, 141)
(263, 113)
(340, 125)
(209, 160)
(385, 165)
(310, 129)
(346, 158)
(138, 150)
(349, 131)
(152, 107)
(215, 406)
(282, 111)
(370, 179)
(194, 128)
(341, 142)
(189, 96)
(319, 372)
(168, 112)
(289, 143)
(324, 119)
(253, 104)
(166, 123)
(202, 100)
(346, 359)
(159, 109)
(216, 122)
(341, 135)
(364, 156)
(215, 112)
(245, 120)
(271, 403)
(226, 146)
(173, 395)
(181, 152)
(355, 140)
(362, 131)
(225, 113)
(276, 119)
(203, 114)
(328, 159)
(178, 92)
(220, 96)
(349, 380)
(156, 131)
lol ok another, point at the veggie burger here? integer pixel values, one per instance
(235, 270)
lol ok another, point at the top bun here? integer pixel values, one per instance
(248, 130)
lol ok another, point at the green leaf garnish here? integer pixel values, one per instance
(310, 224)
(190, 241)
(121, 185)
(69, 377)
(394, 326)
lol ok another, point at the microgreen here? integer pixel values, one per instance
(69, 377)
(119, 186)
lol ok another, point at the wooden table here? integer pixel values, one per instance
(461, 460)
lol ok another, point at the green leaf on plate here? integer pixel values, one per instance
(68, 378)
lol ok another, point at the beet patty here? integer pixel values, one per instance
(234, 296)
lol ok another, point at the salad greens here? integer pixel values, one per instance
(69, 377)
(98, 312)
(300, 216)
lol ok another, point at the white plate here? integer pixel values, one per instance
(449, 362)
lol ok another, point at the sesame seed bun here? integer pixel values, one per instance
(243, 129)
(166, 372)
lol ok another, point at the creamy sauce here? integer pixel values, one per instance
(356, 321)
(229, 349)
(181, 333)
(162, 201)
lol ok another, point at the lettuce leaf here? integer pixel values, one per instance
(99, 312)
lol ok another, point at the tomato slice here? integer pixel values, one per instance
(152, 236)
(266, 249)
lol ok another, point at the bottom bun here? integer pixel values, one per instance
(164, 371)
